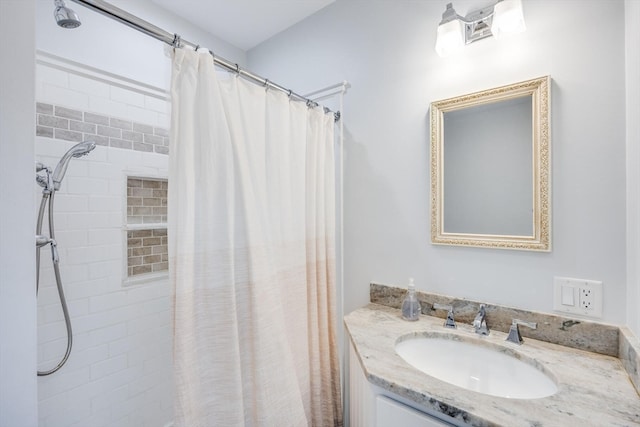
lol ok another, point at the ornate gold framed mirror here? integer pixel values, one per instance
(490, 168)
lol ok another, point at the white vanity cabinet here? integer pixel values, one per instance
(372, 406)
(390, 413)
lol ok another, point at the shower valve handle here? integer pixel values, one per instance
(44, 240)
(54, 252)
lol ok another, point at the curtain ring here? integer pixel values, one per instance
(290, 93)
(177, 41)
(267, 84)
(237, 69)
(197, 47)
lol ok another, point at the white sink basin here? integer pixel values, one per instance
(477, 367)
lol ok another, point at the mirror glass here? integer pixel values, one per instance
(490, 168)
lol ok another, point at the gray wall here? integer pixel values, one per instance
(17, 216)
(386, 50)
(632, 47)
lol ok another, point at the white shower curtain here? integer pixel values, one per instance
(252, 255)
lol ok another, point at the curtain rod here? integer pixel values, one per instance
(176, 41)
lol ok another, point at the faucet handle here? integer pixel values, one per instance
(532, 325)
(449, 322)
(514, 332)
(480, 321)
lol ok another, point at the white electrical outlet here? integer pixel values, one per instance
(586, 299)
(577, 296)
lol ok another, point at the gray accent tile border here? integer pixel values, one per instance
(82, 127)
(162, 150)
(121, 124)
(67, 135)
(68, 113)
(44, 108)
(96, 118)
(54, 121)
(570, 332)
(161, 132)
(152, 139)
(44, 131)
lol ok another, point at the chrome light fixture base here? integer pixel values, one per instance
(478, 25)
(504, 16)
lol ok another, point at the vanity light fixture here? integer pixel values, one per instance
(455, 31)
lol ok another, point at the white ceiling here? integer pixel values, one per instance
(243, 23)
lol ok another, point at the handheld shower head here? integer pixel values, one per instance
(65, 17)
(77, 150)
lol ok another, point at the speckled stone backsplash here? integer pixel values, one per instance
(580, 334)
(629, 354)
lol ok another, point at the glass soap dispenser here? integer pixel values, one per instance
(411, 305)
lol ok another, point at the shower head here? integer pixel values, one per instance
(77, 150)
(65, 17)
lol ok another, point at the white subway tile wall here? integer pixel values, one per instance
(120, 369)
(105, 95)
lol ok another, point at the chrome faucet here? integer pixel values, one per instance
(449, 322)
(480, 322)
(514, 331)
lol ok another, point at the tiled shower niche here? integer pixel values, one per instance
(146, 226)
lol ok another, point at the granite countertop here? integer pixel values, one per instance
(593, 389)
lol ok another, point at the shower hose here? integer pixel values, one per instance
(48, 196)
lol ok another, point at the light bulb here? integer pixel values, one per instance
(507, 17)
(450, 37)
